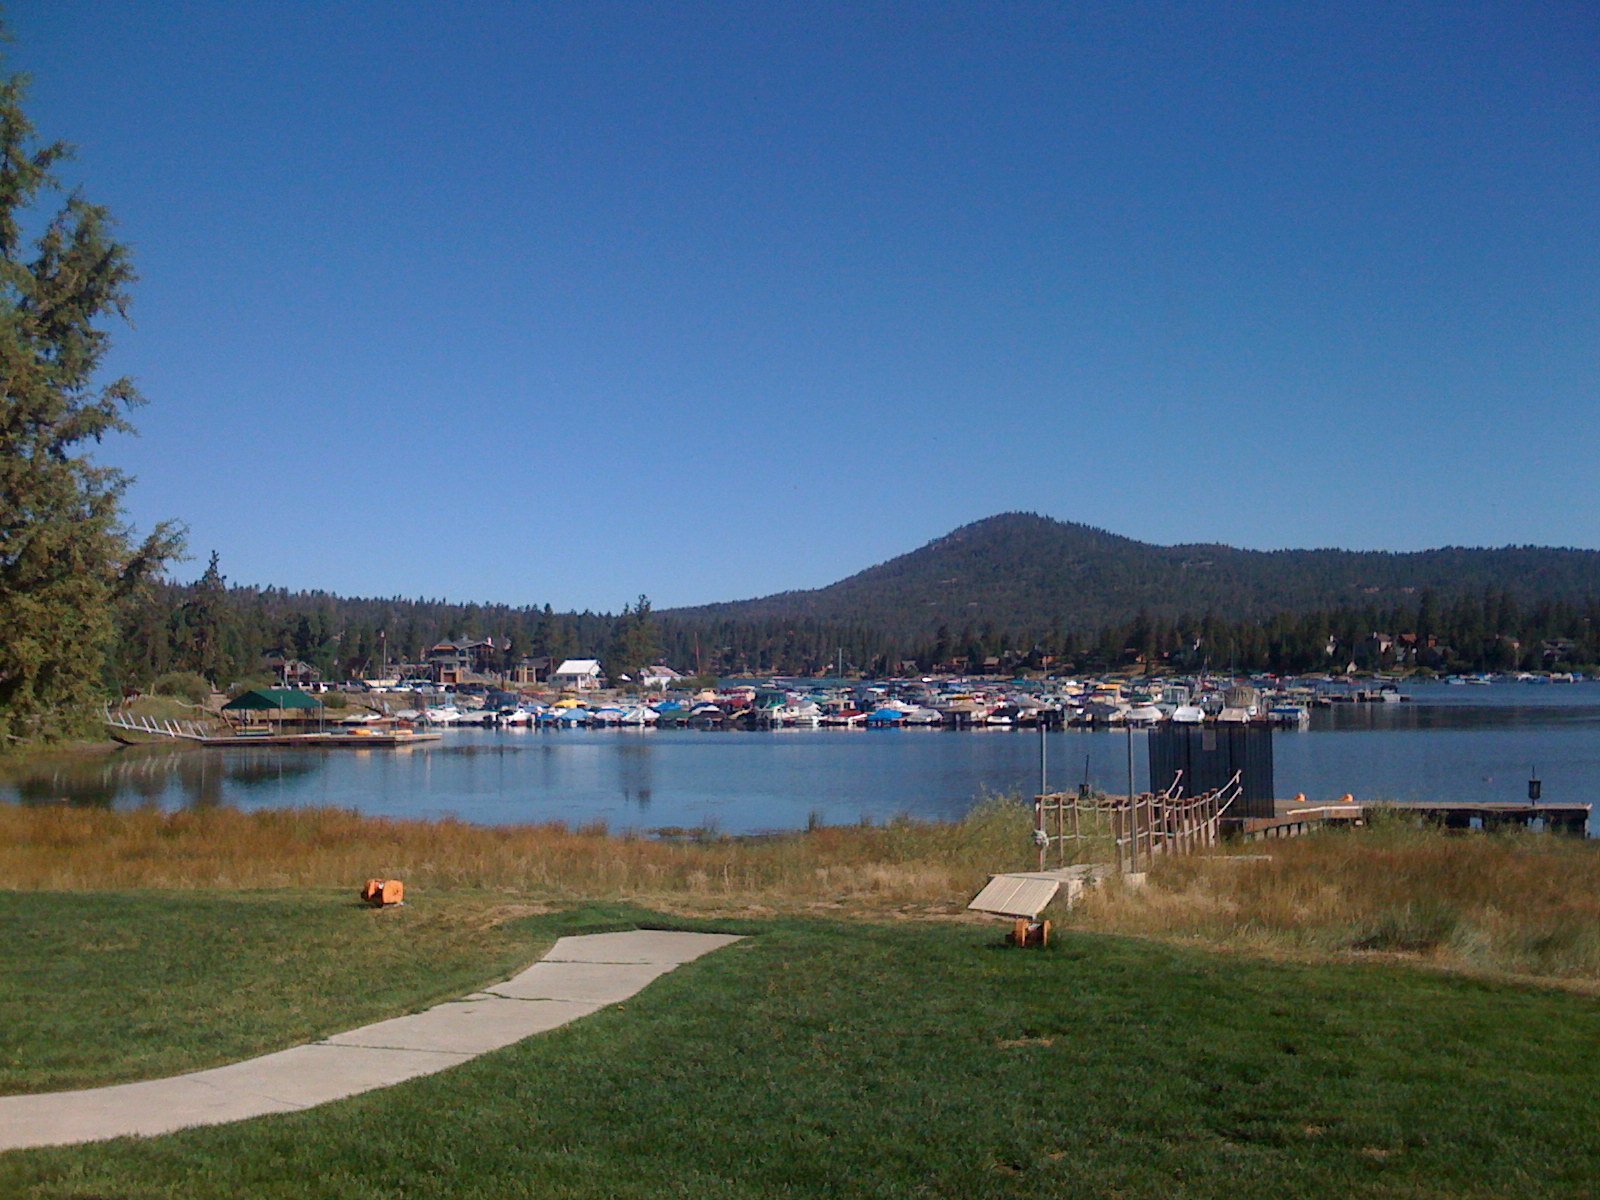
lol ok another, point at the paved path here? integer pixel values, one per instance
(579, 976)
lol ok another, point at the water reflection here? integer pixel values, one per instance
(636, 773)
(257, 769)
(169, 777)
(1425, 713)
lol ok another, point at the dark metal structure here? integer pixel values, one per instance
(1209, 755)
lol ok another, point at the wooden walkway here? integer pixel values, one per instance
(1293, 819)
(216, 734)
(349, 739)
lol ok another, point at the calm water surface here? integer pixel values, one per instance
(1471, 743)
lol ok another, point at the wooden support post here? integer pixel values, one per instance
(1038, 825)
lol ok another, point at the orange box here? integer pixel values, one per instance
(382, 892)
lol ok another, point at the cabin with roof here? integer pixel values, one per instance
(659, 675)
(462, 660)
(580, 674)
(291, 671)
(531, 669)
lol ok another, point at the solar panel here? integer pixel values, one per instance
(1022, 895)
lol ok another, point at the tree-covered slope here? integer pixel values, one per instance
(1021, 570)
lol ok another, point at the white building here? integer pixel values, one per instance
(658, 676)
(581, 674)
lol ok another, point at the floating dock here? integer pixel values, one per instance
(359, 740)
(384, 736)
(1570, 818)
(1292, 819)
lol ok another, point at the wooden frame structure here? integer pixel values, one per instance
(1137, 827)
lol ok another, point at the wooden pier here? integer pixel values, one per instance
(1292, 818)
(351, 739)
(215, 733)
(1570, 818)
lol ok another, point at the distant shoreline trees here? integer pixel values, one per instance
(224, 633)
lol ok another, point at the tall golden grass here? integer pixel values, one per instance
(1519, 903)
(904, 863)
(1514, 902)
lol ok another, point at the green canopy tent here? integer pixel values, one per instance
(277, 700)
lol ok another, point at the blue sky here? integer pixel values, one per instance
(565, 303)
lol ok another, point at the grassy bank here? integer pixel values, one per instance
(897, 866)
(819, 1058)
(921, 1058)
(1514, 902)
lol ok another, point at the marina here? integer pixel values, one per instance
(1447, 744)
(909, 703)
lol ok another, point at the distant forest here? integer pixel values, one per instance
(1013, 592)
(224, 633)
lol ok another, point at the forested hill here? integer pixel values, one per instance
(1012, 591)
(1023, 571)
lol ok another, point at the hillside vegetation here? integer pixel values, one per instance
(1021, 569)
(1022, 590)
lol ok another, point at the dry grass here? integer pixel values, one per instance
(873, 868)
(1511, 903)
(1516, 903)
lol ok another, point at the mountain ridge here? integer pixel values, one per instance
(1021, 569)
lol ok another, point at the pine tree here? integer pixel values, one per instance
(633, 644)
(206, 619)
(65, 557)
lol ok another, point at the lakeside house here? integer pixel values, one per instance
(580, 674)
(531, 670)
(291, 671)
(659, 675)
(462, 659)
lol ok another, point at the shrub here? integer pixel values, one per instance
(185, 685)
(250, 683)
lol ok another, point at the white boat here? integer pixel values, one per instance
(803, 714)
(1142, 716)
(1188, 714)
(1289, 714)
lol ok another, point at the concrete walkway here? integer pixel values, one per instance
(579, 976)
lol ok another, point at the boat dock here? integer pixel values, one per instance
(215, 733)
(1293, 818)
(1569, 818)
(351, 739)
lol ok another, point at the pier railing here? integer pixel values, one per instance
(167, 727)
(1130, 829)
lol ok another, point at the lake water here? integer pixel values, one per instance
(1467, 743)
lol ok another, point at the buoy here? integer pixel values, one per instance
(1347, 798)
(1299, 797)
(380, 893)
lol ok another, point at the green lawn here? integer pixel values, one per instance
(923, 1059)
(109, 987)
